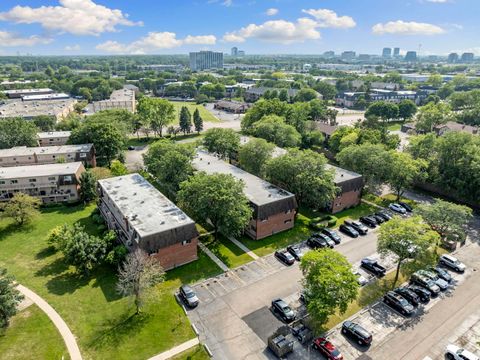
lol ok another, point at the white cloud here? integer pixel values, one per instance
(72, 47)
(8, 39)
(226, 3)
(329, 19)
(438, 1)
(280, 31)
(400, 27)
(79, 17)
(155, 41)
(271, 12)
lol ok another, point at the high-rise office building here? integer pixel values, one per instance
(467, 57)
(349, 55)
(411, 56)
(387, 52)
(329, 54)
(452, 58)
(234, 51)
(204, 60)
(396, 52)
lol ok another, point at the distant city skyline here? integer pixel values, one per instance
(73, 27)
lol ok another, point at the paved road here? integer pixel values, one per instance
(429, 337)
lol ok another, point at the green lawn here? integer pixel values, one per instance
(225, 250)
(206, 115)
(196, 353)
(268, 245)
(386, 200)
(102, 321)
(31, 332)
(354, 213)
(395, 126)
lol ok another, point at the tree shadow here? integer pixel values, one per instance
(214, 247)
(45, 253)
(58, 266)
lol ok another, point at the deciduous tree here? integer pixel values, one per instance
(222, 142)
(10, 297)
(17, 132)
(88, 186)
(22, 208)
(253, 156)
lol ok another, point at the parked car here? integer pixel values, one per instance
(362, 280)
(327, 349)
(454, 352)
(296, 251)
(189, 296)
(317, 243)
(378, 218)
(356, 332)
(369, 221)
(329, 241)
(426, 283)
(131, 147)
(409, 295)
(397, 208)
(285, 257)
(405, 206)
(398, 303)
(373, 266)
(302, 332)
(350, 231)
(442, 284)
(281, 308)
(422, 293)
(383, 214)
(332, 234)
(452, 263)
(361, 229)
(442, 273)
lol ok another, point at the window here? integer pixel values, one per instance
(51, 178)
(186, 242)
(287, 221)
(67, 178)
(13, 181)
(2, 182)
(32, 180)
(83, 155)
(288, 211)
(264, 219)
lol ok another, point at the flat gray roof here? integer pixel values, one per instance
(258, 191)
(51, 134)
(342, 175)
(29, 109)
(147, 209)
(62, 149)
(35, 171)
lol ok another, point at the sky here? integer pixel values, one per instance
(103, 27)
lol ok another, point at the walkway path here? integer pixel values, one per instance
(176, 350)
(62, 327)
(244, 248)
(212, 256)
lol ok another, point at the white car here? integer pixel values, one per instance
(362, 280)
(397, 208)
(453, 352)
(452, 263)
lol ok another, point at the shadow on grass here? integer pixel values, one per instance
(214, 247)
(45, 253)
(8, 230)
(58, 266)
(374, 291)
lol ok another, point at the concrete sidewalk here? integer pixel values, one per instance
(62, 327)
(212, 256)
(176, 350)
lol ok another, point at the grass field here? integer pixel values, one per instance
(386, 200)
(206, 115)
(225, 250)
(102, 321)
(354, 213)
(31, 332)
(196, 353)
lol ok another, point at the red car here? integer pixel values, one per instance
(327, 349)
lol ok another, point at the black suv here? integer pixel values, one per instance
(398, 303)
(406, 206)
(332, 234)
(425, 283)
(295, 251)
(285, 257)
(373, 266)
(384, 215)
(369, 221)
(379, 219)
(317, 243)
(361, 229)
(350, 231)
(355, 331)
(281, 308)
(422, 293)
(408, 294)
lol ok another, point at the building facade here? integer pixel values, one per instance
(52, 183)
(273, 208)
(143, 218)
(18, 94)
(119, 99)
(387, 52)
(53, 138)
(205, 60)
(234, 107)
(350, 185)
(25, 156)
(57, 109)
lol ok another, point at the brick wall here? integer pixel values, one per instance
(346, 200)
(178, 254)
(274, 224)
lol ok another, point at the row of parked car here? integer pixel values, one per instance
(357, 228)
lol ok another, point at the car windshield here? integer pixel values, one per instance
(403, 302)
(190, 294)
(287, 309)
(335, 352)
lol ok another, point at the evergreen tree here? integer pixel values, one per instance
(197, 121)
(88, 186)
(9, 299)
(185, 120)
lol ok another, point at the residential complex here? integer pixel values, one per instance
(273, 208)
(255, 93)
(350, 184)
(53, 138)
(235, 107)
(57, 109)
(119, 99)
(205, 60)
(349, 99)
(24, 156)
(146, 219)
(52, 183)
(18, 94)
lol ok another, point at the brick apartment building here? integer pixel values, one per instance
(52, 183)
(144, 218)
(53, 138)
(351, 186)
(273, 208)
(23, 156)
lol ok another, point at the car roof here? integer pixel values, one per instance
(449, 257)
(280, 302)
(186, 288)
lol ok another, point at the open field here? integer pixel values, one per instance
(103, 322)
(204, 113)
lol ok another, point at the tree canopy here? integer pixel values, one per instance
(274, 129)
(10, 298)
(17, 132)
(222, 142)
(253, 156)
(22, 208)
